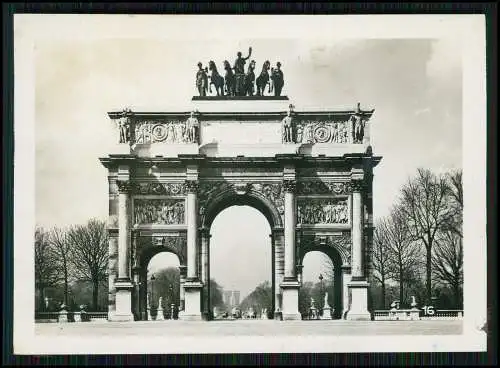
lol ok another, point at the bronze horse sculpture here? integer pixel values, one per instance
(216, 79)
(263, 79)
(230, 79)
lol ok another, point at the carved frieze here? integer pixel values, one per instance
(172, 131)
(341, 243)
(289, 185)
(170, 189)
(322, 211)
(158, 211)
(124, 186)
(321, 187)
(357, 185)
(329, 131)
(191, 186)
(273, 192)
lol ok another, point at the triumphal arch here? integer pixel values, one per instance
(308, 172)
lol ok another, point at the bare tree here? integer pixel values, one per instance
(61, 247)
(403, 253)
(46, 274)
(448, 255)
(447, 262)
(455, 202)
(381, 259)
(90, 254)
(425, 206)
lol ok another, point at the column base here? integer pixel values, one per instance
(123, 302)
(192, 301)
(358, 310)
(115, 317)
(327, 313)
(290, 302)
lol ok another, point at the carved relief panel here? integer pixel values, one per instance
(322, 211)
(321, 187)
(172, 131)
(159, 211)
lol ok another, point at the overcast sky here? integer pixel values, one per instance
(414, 85)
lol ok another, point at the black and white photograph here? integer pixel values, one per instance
(246, 184)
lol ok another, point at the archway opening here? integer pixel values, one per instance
(240, 264)
(321, 286)
(163, 292)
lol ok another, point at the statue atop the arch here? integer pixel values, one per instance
(358, 125)
(287, 125)
(277, 78)
(202, 80)
(239, 63)
(240, 87)
(192, 128)
(124, 126)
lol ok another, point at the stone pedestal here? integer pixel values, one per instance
(414, 314)
(290, 300)
(327, 313)
(359, 301)
(159, 315)
(123, 312)
(77, 317)
(63, 316)
(192, 294)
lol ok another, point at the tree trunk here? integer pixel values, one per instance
(65, 286)
(383, 294)
(95, 290)
(428, 265)
(401, 287)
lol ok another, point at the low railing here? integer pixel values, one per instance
(416, 314)
(65, 316)
(445, 314)
(44, 317)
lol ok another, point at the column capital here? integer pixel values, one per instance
(357, 185)
(124, 186)
(205, 232)
(289, 185)
(191, 186)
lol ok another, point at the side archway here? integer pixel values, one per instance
(339, 260)
(147, 248)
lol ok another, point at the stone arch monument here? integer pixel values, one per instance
(309, 172)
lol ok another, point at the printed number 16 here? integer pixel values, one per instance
(428, 310)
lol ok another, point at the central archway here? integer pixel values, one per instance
(219, 203)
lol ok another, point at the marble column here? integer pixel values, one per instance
(358, 309)
(279, 270)
(346, 279)
(290, 285)
(205, 272)
(123, 283)
(182, 274)
(192, 286)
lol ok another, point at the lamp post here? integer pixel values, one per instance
(321, 286)
(171, 299)
(153, 278)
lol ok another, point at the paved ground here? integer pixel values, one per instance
(255, 328)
